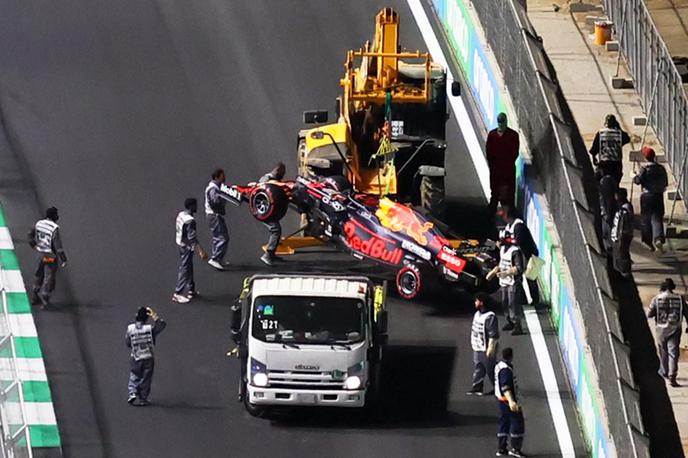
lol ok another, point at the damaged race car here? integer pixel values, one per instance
(389, 233)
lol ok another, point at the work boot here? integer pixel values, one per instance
(179, 299)
(518, 330)
(216, 264)
(516, 453)
(673, 382)
(475, 391)
(267, 259)
(502, 452)
(659, 246)
(131, 399)
(192, 293)
(508, 326)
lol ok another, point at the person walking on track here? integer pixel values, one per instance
(511, 423)
(607, 148)
(140, 338)
(484, 341)
(187, 241)
(274, 227)
(502, 148)
(653, 179)
(669, 310)
(215, 213)
(45, 239)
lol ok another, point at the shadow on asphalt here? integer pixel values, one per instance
(414, 394)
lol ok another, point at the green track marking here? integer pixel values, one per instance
(8, 260)
(18, 303)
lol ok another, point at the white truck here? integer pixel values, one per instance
(309, 340)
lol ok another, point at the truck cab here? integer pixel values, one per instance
(311, 340)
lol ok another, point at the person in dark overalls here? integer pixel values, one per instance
(187, 242)
(653, 179)
(215, 213)
(511, 424)
(669, 310)
(274, 227)
(607, 148)
(622, 233)
(45, 239)
(140, 338)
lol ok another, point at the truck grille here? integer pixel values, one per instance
(304, 380)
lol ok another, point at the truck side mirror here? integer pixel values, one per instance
(455, 88)
(235, 325)
(315, 117)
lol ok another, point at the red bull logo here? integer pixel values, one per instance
(400, 218)
(360, 239)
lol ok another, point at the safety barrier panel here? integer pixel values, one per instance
(26, 408)
(587, 318)
(656, 79)
(14, 430)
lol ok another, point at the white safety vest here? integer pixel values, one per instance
(510, 227)
(505, 256)
(208, 209)
(669, 310)
(502, 365)
(478, 332)
(45, 231)
(610, 145)
(183, 218)
(141, 339)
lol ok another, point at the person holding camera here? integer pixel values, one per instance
(140, 338)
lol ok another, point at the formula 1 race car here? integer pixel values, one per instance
(389, 233)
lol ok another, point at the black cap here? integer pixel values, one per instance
(142, 314)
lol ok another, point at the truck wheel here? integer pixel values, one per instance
(252, 409)
(409, 282)
(268, 203)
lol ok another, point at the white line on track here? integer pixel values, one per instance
(537, 338)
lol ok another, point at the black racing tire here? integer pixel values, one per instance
(338, 182)
(268, 202)
(409, 282)
(252, 409)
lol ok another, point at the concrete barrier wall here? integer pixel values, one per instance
(462, 34)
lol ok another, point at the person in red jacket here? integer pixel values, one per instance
(502, 151)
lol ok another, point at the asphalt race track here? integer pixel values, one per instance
(115, 112)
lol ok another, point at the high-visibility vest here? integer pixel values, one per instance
(503, 366)
(213, 208)
(506, 254)
(45, 232)
(141, 338)
(479, 336)
(669, 310)
(183, 219)
(610, 145)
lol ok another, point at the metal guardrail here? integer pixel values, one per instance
(564, 169)
(15, 440)
(656, 79)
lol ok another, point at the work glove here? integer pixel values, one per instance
(152, 314)
(202, 253)
(514, 407)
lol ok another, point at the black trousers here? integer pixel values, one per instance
(621, 255)
(185, 274)
(275, 230)
(44, 278)
(652, 213)
(511, 426)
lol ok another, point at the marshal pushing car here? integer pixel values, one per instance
(393, 235)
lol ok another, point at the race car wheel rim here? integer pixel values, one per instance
(408, 282)
(261, 204)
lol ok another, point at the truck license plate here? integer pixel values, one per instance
(307, 398)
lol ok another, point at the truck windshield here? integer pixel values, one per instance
(304, 320)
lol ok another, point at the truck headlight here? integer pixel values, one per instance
(352, 382)
(260, 379)
(259, 373)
